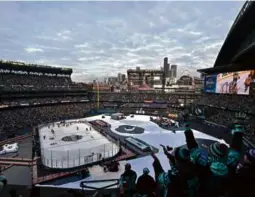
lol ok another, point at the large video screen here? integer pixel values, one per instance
(230, 83)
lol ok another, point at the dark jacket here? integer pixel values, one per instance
(174, 184)
(127, 183)
(212, 182)
(145, 185)
(244, 181)
(234, 153)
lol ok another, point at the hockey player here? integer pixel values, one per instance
(99, 156)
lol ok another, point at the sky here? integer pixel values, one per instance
(101, 39)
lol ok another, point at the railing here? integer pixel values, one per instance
(91, 185)
(15, 139)
(74, 158)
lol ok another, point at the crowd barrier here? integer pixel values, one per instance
(15, 139)
(74, 158)
(214, 124)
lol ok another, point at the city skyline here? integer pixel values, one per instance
(101, 39)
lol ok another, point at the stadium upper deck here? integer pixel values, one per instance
(21, 66)
(237, 51)
(18, 76)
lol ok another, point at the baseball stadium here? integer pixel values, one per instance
(63, 138)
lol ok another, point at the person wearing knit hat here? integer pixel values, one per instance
(237, 128)
(211, 171)
(244, 179)
(182, 154)
(218, 155)
(235, 149)
(146, 185)
(218, 151)
(180, 179)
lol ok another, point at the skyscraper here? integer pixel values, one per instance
(119, 77)
(166, 67)
(123, 77)
(173, 71)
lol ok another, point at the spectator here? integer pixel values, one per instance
(180, 180)
(12, 123)
(127, 182)
(145, 184)
(3, 182)
(214, 170)
(19, 82)
(244, 179)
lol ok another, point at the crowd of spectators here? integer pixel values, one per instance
(17, 121)
(243, 103)
(136, 97)
(194, 173)
(43, 100)
(222, 171)
(222, 117)
(224, 109)
(19, 82)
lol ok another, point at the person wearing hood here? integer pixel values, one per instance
(244, 179)
(127, 182)
(145, 185)
(179, 181)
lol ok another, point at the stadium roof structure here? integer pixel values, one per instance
(238, 50)
(21, 66)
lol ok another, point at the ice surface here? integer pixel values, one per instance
(9, 148)
(153, 135)
(57, 153)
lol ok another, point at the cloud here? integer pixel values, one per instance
(33, 50)
(100, 39)
(85, 45)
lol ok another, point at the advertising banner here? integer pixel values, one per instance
(210, 83)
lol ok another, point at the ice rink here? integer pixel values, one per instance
(57, 153)
(153, 135)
